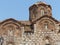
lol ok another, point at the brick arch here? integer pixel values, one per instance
(41, 8)
(10, 25)
(10, 21)
(51, 23)
(49, 39)
(48, 20)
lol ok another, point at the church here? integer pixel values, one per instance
(40, 29)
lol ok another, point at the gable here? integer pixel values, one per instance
(10, 23)
(46, 20)
(45, 16)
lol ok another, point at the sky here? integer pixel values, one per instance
(19, 9)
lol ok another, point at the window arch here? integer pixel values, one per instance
(47, 41)
(46, 26)
(10, 33)
(42, 12)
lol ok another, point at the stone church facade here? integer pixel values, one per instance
(41, 29)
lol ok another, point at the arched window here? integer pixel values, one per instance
(10, 32)
(42, 12)
(47, 42)
(46, 26)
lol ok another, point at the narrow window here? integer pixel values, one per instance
(10, 32)
(46, 26)
(42, 12)
(47, 42)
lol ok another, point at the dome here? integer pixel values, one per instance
(39, 2)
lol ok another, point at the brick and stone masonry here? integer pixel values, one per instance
(41, 29)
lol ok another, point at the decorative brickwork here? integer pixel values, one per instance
(41, 29)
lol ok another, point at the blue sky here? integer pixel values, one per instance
(19, 9)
